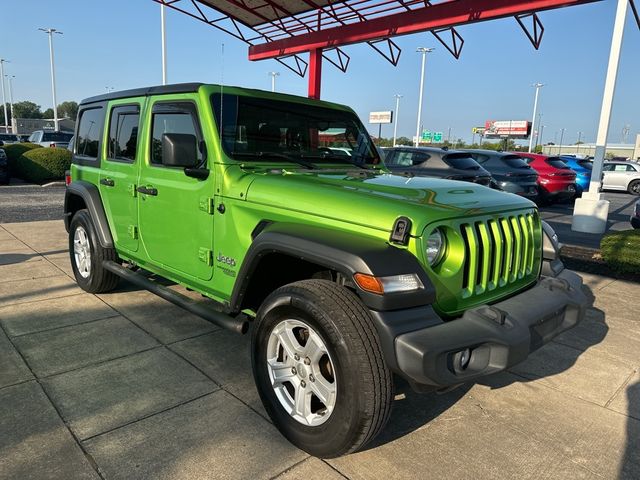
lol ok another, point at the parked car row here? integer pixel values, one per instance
(46, 138)
(545, 179)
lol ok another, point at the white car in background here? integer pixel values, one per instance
(621, 176)
(51, 138)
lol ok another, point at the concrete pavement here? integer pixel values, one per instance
(125, 385)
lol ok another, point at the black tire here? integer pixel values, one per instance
(363, 380)
(634, 187)
(98, 280)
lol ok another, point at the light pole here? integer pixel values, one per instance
(4, 100)
(10, 78)
(535, 108)
(578, 142)
(423, 51)
(109, 89)
(50, 32)
(540, 136)
(561, 137)
(395, 123)
(163, 43)
(273, 80)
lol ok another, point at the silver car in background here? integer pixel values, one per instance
(621, 176)
(51, 138)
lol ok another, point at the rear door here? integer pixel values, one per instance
(176, 213)
(118, 177)
(615, 176)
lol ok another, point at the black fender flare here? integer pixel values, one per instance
(91, 197)
(345, 252)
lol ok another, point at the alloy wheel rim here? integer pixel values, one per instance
(301, 372)
(82, 252)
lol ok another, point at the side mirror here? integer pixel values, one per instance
(179, 150)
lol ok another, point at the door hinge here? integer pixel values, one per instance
(131, 188)
(207, 205)
(205, 255)
(133, 231)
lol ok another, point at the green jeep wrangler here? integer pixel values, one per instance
(280, 210)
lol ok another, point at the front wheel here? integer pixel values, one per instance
(318, 365)
(634, 187)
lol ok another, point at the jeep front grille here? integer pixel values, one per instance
(498, 252)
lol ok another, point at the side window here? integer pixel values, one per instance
(607, 167)
(123, 132)
(179, 117)
(89, 131)
(479, 157)
(417, 158)
(630, 168)
(621, 168)
(402, 159)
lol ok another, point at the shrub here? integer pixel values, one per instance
(620, 250)
(15, 150)
(43, 164)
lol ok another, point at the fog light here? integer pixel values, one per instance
(461, 360)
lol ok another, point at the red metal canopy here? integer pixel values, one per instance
(284, 29)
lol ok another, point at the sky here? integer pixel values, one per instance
(116, 44)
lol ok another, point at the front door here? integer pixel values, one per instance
(176, 218)
(118, 176)
(615, 176)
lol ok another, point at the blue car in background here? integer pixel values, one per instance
(582, 167)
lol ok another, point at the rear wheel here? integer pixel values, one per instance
(319, 368)
(634, 187)
(87, 256)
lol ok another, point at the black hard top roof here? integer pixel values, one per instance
(144, 92)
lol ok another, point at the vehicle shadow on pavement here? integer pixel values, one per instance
(630, 465)
(412, 410)
(9, 258)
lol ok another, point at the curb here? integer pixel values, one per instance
(59, 183)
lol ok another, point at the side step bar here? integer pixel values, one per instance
(238, 324)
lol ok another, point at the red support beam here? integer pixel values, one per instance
(315, 73)
(441, 15)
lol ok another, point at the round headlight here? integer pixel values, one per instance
(435, 247)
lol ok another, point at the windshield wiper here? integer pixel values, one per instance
(282, 156)
(340, 158)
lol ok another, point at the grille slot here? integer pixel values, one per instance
(498, 252)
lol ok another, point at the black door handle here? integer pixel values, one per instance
(107, 182)
(147, 191)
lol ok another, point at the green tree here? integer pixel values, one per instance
(404, 141)
(26, 109)
(68, 110)
(48, 113)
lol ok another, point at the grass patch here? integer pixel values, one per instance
(621, 251)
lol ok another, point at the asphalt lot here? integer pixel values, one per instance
(24, 202)
(125, 385)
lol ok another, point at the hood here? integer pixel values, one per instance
(377, 199)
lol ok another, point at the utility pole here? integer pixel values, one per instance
(424, 52)
(540, 136)
(273, 80)
(395, 122)
(163, 42)
(561, 137)
(4, 100)
(538, 86)
(10, 78)
(50, 32)
(578, 142)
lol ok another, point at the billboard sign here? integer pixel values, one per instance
(426, 136)
(507, 128)
(437, 137)
(478, 130)
(381, 117)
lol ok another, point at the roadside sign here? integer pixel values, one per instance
(437, 137)
(426, 136)
(507, 128)
(381, 117)
(478, 130)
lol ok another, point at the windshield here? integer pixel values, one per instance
(56, 137)
(461, 161)
(556, 162)
(586, 164)
(514, 161)
(265, 129)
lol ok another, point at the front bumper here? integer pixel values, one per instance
(498, 336)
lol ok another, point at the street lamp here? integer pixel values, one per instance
(4, 100)
(273, 80)
(10, 78)
(109, 89)
(395, 123)
(50, 32)
(533, 118)
(423, 51)
(561, 137)
(578, 142)
(540, 136)
(163, 42)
